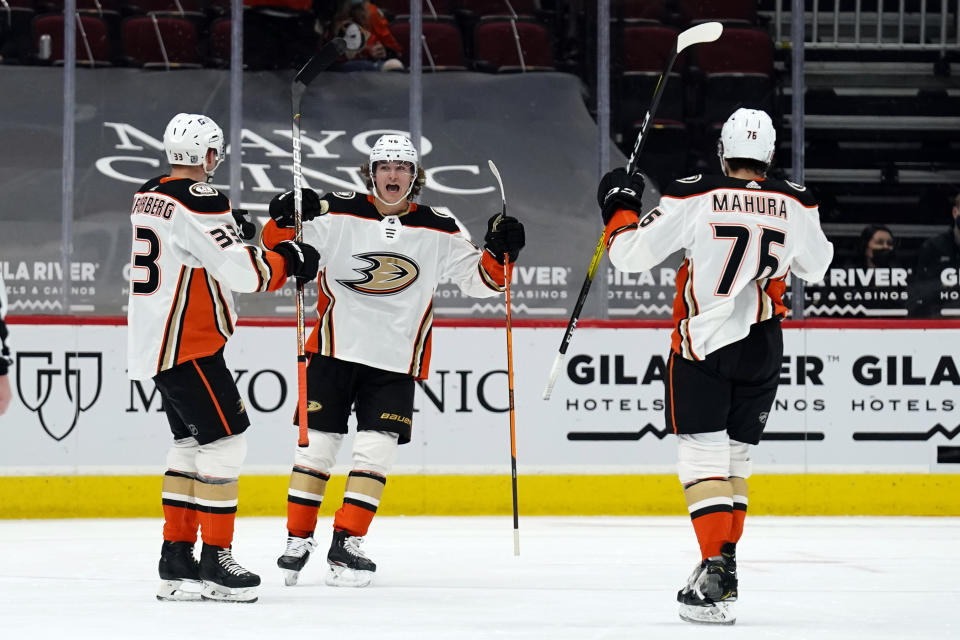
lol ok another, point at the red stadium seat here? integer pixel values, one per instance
(496, 46)
(161, 42)
(401, 8)
(738, 72)
(727, 11)
(220, 38)
(646, 50)
(638, 11)
(482, 8)
(91, 32)
(182, 7)
(443, 49)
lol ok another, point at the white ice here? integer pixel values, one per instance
(457, 578)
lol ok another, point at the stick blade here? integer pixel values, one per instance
(321, 60)
(706, 32)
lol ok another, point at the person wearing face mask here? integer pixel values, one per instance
(875, 248)
(382, 257)
(940, 252)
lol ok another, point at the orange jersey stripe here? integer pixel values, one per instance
(199, 335)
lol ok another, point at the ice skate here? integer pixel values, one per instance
(711, 590)
(295, 557)
(179, 572)
(224, 579)
(349, 566)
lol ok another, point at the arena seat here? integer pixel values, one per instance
(442, 49)
(496, 46)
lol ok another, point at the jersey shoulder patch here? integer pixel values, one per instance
(198, 197)
(203, 190)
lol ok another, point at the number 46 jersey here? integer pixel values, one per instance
(187, 259)
(741, 239)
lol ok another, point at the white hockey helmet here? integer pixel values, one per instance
(392, 147)
(188, 137)
(748, 133)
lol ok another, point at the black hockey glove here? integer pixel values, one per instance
(504, 235)
(281, 207)
(302, 259)
(246, 228)
(619, 190)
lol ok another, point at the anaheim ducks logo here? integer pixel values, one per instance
(384, 275)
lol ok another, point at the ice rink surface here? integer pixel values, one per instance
(451, 578)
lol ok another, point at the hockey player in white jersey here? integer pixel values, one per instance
(187, 259)
(381, 257)
(742, 235)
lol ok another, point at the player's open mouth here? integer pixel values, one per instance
(393, 188)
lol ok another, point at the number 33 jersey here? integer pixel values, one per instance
(378, 276)
(187, 258)
(741, 239)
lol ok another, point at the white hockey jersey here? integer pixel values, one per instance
(378, 276)
(187, 257)
(741, 239)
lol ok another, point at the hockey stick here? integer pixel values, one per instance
(706, 32)
(320, 61)
(507, 269)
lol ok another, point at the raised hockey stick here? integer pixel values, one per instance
(706, 32)
(320, 61)
(507, 269)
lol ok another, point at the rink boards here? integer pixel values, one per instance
(865, 423)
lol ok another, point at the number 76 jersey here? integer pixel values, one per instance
(741, 239)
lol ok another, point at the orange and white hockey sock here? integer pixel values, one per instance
(710, 503)
(304, 497)
(179, 507)
(361, 497)
(740, 493)
(217, 506)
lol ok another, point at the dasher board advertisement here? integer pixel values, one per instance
(871, 400)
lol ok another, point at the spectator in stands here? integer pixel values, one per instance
(370, 45)
(278, 34)
(875, 248)
(937, 253)
(5, 361)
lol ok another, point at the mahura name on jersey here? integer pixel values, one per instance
(758, 203)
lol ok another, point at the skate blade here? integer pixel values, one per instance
(339, 576)
(290, 577)
(179, 591)
(720, 613)
(220, 593)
